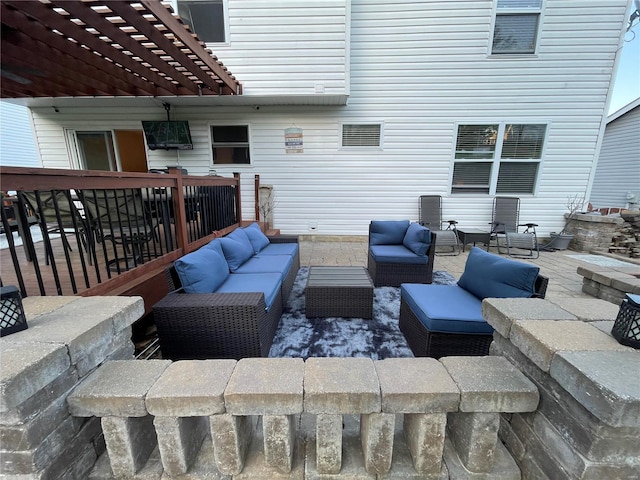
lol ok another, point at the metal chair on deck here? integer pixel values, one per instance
(430, 215)
(58, 214)
(119, 216)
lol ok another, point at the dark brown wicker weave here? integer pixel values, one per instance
(218, 325)
(424, 343)
(393, 274)
(339, 292)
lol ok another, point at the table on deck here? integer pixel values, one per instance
(473, 235)
(339, 292)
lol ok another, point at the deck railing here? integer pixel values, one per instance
(97, 233)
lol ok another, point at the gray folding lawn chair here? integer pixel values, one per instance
(430, 215)
(504, 229)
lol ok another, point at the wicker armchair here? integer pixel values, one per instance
(424, 343)
(393, 274)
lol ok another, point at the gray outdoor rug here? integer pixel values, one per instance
(378, 338)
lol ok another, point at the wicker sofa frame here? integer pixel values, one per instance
(198, 326)
(393, 274)
(424, 343)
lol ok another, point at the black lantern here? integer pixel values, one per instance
(12, 318)
(626, 328)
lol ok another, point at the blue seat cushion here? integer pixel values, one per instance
(202, 271)
(237, 248)
(445, 308)
(267, 283)
(417, 239)
(258, 239)
(387, 232)
(280, 249)
(488, 275)
(267, 264)
(396, 254)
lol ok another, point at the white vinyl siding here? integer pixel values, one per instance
(421, 69)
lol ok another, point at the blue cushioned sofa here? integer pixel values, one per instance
(442, 320)
(399, 252)
(227, 297)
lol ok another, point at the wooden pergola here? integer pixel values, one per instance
(116, 48)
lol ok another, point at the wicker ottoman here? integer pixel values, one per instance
(339, 292)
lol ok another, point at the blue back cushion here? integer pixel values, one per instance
(417, 239)
(387, 232)
(202, 271)
(258, 239)
(488, 275)
(237, 248)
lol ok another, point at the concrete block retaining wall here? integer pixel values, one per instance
(555, 392)
(66, 340)
(588, 422)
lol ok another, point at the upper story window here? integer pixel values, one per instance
(206, 18)
(516, 26)
(362, 135)
(500, 158)
(230, 144)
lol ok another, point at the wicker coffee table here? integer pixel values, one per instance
(339, 292)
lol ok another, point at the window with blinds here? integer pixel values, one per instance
(498, 158)
(361, 135)
(516, 26)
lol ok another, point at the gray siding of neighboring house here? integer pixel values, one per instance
(618, 170)
(17, 143)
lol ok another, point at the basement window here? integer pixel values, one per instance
(362, 135)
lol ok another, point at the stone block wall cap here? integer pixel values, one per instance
(491, 384)
(266, 386)
(539, 340)
(190, 388)
(341, 386)
(116, 388)
(416, 385)
(605, 383)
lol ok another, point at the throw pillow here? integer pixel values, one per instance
(488, 275)
(202, 271)
(237, 248)
(387, 232)
(417, 239)
(258, 239)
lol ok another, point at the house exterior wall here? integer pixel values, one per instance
(420, 69)
(618, 171)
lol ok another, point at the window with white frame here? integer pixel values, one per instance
(516, 26)
(361, 135)
(230, 144)
(206, 18)
(499, 158)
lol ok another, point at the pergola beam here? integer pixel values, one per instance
(104, 48)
